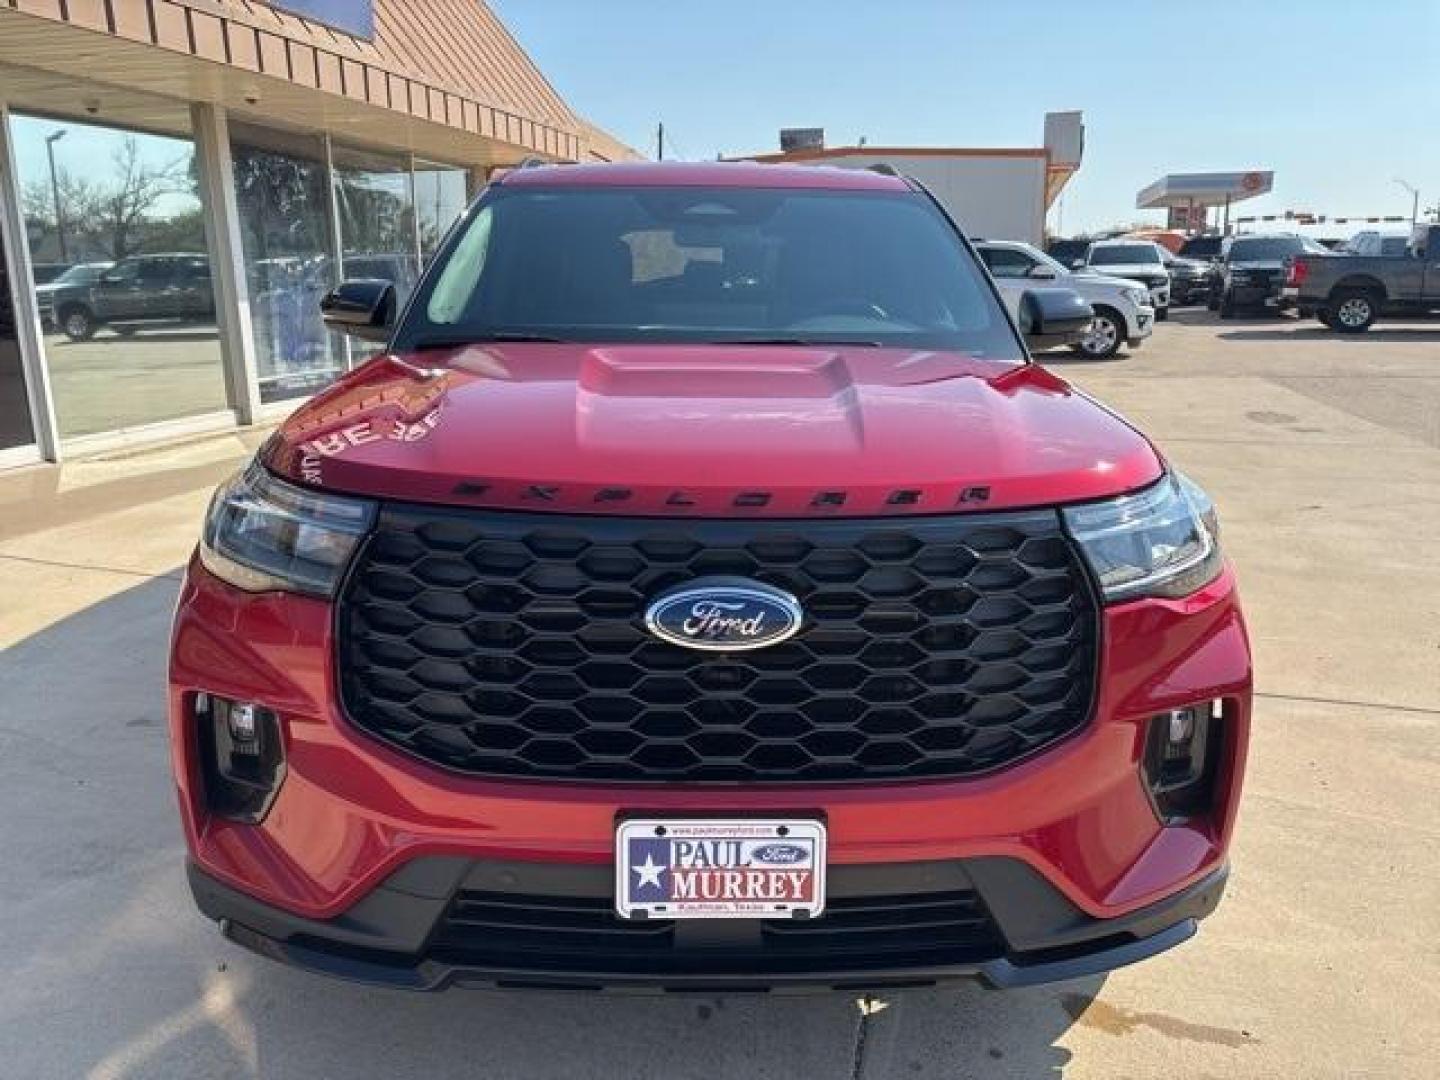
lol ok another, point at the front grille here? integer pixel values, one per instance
(513, 644)
(571, 934)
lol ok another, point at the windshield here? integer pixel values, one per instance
(81, 275)
(1050, 261)
(1067, 251)
(1273, 249)
(1200, 247)
(1116, 254)
(709, 265)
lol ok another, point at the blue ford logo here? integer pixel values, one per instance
(724, 615)
(780, 854)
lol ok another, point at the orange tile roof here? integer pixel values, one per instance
(458, 45)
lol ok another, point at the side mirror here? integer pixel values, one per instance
(1041, 272)
(1050, 318)
(1077, 264)
(362, 307)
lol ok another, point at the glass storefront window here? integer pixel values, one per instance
(15, 425)
(114, 222)
(285, 231)
(376, 200)
(440, 197)
(377, 217)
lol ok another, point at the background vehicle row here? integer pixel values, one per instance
(1123, 315)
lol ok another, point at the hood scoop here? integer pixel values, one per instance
(726, 401)
(717, 373)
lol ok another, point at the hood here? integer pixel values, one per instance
(1133, 270)
(704, 430)
(1192, 267)
(1110, 280)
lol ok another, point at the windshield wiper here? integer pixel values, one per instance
(812, 342)
(456, 341)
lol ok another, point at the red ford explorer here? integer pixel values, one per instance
(705, 589)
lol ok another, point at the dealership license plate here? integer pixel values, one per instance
(669, 868)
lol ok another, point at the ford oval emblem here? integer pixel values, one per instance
(724, 615)
(780, 854)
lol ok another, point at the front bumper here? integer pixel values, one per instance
(1141, 325)
(1188, 290)
(399, 936)
(1245, 294)
(352, 813)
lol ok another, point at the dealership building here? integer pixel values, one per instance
(1000, 193)
(181, 180)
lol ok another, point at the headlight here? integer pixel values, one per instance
(1136, 296)
(1164, 541)
(264, 535)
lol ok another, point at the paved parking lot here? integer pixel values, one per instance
(1323, 454)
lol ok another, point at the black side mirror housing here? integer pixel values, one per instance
(362, 307)
(1050, 318)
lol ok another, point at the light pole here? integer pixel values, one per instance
(1414, 199)
(50, 141)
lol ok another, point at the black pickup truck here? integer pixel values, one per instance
(1349, 292)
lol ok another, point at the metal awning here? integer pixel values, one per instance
(1204, 189)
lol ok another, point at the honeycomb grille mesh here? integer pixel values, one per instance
(514, 644)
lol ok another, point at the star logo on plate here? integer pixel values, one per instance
(649, 872)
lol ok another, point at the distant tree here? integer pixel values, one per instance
(135, 187)
(178, 232)
(113, 216)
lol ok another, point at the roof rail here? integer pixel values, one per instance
(531, 161)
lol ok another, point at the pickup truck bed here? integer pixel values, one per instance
(1348, 293)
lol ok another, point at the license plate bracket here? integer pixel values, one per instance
(719, 868)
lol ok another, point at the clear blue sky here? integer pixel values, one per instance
(1336, 97)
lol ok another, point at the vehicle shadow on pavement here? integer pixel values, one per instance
(1303, 333)
(110, 972)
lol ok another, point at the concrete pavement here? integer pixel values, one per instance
(1324, 456)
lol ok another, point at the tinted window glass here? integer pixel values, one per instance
(1201, 247)
(86, 274)
(1271, 249)
(1067, 251)
(1007, 262)
(1393, 245)
(696, 264)
(1115, 254)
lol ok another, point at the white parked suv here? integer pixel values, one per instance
(1136, 260)
(1123, 315)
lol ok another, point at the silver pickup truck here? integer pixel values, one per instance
(1349, 292)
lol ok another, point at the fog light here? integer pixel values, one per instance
(1181, 754)
(242, 722)
(242, 756)
(1182, 727)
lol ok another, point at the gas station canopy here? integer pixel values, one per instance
(1203, 189)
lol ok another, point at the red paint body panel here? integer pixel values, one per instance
(699, 430)
(351, 810)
